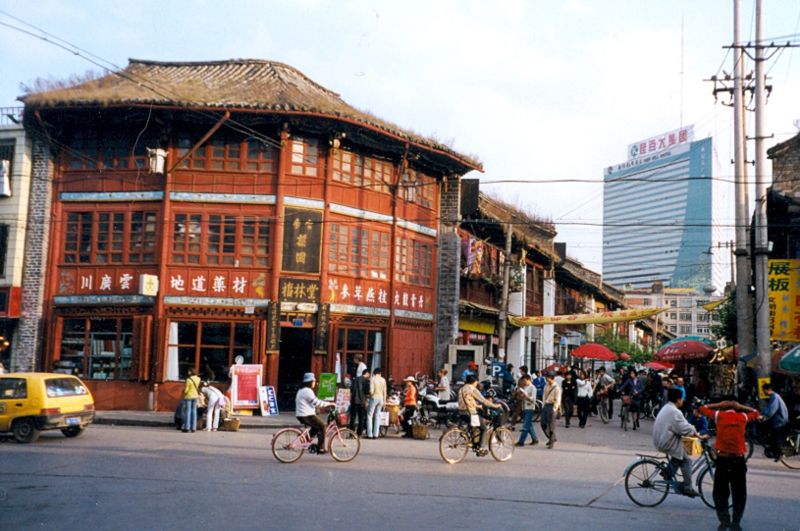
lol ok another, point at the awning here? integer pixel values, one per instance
(477, 325)
(587, 318)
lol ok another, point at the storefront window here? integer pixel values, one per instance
(96, 349)
(209, 347)
(351, 342)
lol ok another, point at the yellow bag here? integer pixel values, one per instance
(692, 446)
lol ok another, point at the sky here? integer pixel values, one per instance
(538, 90)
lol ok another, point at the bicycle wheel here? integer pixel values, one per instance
(602, 410)
(624, 418)
(344, 445)
(287, 445)
(501, 444)
(645, 482)
(453, 446)
(749, 447)
(791, 452)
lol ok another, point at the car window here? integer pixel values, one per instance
(64, 387)
(13, 388)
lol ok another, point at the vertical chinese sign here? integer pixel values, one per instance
(274, 327)
(302, 239)
(323, 322)
(784, 299)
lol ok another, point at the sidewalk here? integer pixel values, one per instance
(164, 419)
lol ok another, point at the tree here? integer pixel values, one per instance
(619, 344)
(726, 314)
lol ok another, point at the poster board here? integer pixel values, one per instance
(327, 386)
(245, 384)
(342, 400)
(268, 401)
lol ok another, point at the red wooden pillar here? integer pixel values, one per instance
(272, 362)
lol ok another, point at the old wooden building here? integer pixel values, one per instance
(196, 212)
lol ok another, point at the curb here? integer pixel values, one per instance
(164, 424)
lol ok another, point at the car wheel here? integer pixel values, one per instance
(25, 431)
(72, 432)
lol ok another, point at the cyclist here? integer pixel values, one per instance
(603, 387)
(776, 418)
(633, 388)
(468, 403)
(668, 430)
(306, 404)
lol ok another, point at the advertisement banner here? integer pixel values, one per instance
(245, 381)
(587, 318)
(269, 404)
(784, 300)
(342, 400)
(327, 386)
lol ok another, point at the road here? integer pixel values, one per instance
(158, 478)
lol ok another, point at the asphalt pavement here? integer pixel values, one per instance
(137, 477)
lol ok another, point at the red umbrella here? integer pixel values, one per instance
(684, 350)
(555, 367)
(659, 365)
(624, 356)
(594, 351)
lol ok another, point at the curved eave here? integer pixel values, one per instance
(466, 163)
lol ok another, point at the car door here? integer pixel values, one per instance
(13, 399)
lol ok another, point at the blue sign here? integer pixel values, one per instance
(269, 403)
(498, 368)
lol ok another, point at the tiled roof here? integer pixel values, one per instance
(231, 84)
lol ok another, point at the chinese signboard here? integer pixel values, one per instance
(784, 300)
(663, 142)
(245, 381)
(85, 281)
(148, 285)
(323, 325)
(302, 239)
(274, 328)
(216, 283)
(360, 292)
(297, 290)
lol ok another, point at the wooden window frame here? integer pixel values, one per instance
(366, 256)
(90, 228)
(304, 157)
(198, 345)
(258, 257)
(103, 151)
(85, 368)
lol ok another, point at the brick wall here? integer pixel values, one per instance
(449, 266)
(27, 345)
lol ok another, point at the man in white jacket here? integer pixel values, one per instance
(668, 430)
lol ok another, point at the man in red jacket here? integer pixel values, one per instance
(730, 475)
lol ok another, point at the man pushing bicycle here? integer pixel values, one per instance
(306, 404)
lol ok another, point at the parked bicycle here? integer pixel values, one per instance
(650, 478)
(289, 444)
(456, 442)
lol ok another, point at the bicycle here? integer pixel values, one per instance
(456, 442)
(790, 447)
(289, 444)
(624, 412)
(649, 478)
(602, 407)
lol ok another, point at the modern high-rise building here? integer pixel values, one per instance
(658, 215)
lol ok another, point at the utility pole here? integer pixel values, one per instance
(501, 339)
(744, 302)
(760, 250)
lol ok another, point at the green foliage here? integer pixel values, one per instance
(726, 314)
(619, 344)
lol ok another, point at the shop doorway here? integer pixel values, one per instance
(294, 361)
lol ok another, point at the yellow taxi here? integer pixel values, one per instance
(34, 401)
